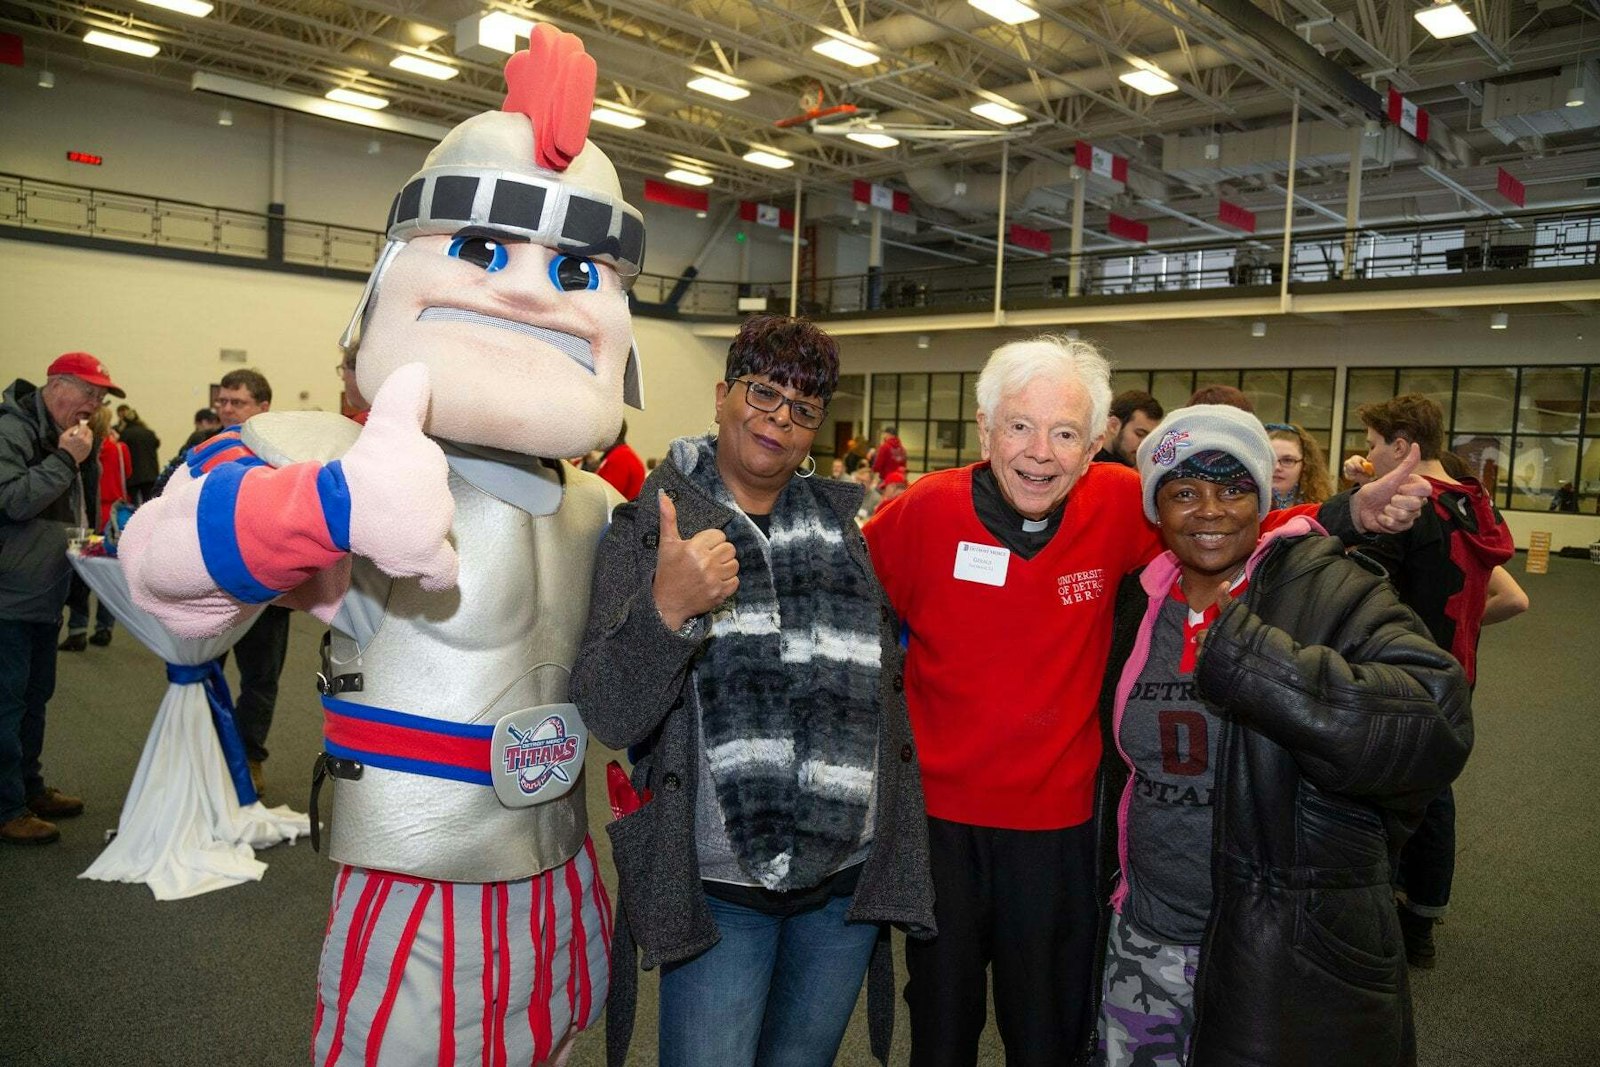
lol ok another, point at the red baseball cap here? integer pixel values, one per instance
(87, 368)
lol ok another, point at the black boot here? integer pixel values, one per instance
(1418, 933)
(74, 643)
(100, 638)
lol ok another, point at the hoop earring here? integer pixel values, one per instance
(801, 472)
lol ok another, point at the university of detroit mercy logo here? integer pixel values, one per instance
(540, 754)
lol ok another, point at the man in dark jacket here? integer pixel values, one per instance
(44, 442)
(144, 449)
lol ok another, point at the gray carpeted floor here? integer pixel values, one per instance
(95, 973)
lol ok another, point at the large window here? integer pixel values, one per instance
(1522, 431)
(1303, 396)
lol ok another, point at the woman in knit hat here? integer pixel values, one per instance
(1266, 775)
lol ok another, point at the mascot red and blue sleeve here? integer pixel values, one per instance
(451, 554)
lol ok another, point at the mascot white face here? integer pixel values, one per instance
(506, 270)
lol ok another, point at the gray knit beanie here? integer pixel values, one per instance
(1206, 428)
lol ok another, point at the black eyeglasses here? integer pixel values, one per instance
(765, 398)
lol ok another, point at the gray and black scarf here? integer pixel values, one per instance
(788, 685)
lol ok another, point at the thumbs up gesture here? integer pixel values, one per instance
(1392, 503)
(400, 503)
(694, 575)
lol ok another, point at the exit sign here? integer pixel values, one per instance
(84, 157)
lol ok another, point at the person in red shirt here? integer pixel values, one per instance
(620, 465)
(890, 456)
(1004, 574)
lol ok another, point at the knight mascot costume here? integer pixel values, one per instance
(451, 555)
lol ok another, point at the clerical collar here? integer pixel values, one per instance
(1022, 535)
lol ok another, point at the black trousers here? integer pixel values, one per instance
(1022, 901)
(260, 654)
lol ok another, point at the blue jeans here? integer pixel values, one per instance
(774, 992)
(27, 681)
(1427, 865)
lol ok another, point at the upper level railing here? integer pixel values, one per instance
(1464, 248)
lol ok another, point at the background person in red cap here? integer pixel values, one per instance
(45, 442)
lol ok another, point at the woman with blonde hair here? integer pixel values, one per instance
(1300, 475)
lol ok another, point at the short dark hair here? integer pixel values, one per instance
(1412, 416)
(207, 415)
(1222, 394)
(792, 352)
(1124, 404)
(250, 380)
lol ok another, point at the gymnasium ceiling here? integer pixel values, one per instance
(1238, 66)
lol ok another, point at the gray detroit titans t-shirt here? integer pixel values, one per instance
(1172, 740)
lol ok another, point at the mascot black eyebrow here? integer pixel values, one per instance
(451, 553)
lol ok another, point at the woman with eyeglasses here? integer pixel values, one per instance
(1300, 474)
(739, 641)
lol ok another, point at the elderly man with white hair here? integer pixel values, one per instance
(1004, 573)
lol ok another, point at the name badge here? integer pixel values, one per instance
(982, 563)
(536, 754)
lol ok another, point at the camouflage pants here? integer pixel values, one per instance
(1147, 1003)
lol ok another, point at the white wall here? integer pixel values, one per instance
(157, 141)
(160, 326)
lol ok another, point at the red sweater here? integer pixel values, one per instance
(622, 468)
(1002, 682)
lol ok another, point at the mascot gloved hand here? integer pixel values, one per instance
(451, 552)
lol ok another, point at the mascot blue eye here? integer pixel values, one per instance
(480, 252)
(573, 274)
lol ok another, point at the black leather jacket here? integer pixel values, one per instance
(1342, 720)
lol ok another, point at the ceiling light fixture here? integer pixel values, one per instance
(359, 99)
(873, 140)
(848, 50)
(994, 112)
(718, 88)
(224, 117)
(1575, 96)
(198, 8)
(1258, 329)
(47, 79)
(130, 45)
(608, 114)
(1148, 80)
(427, 68)
(1499, 321)
(374, 147)
(762, 158)
(688, 177)
(1445, 19)
(238, 89)
(923, 340)
(1010, 12)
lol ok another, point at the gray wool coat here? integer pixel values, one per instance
(630, 684)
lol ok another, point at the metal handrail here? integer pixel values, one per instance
(1465, 245)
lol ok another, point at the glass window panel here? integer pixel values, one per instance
(883, 397)
(913, 396)
(914, 435)
(942, 447)
(1172, 387)
(1124, 380)
(844, 417)
(969, 400)
(1311, 400)
(1268, 390)
(1487, 459)
(1551, 400)
(1355, 444)
(944, 402)
(1484, 398)
(1435, 383)
(1366, 386)
(971, 442)
(1589, 478)
(1540, 466)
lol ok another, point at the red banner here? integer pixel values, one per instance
(10, 49)
(766, 215)
(1234, 215)
(881, 196)
(1100, 161)
(1408, 116)
(675, 195)
(1034, 240)
(1512, 189)
(1118, 226)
